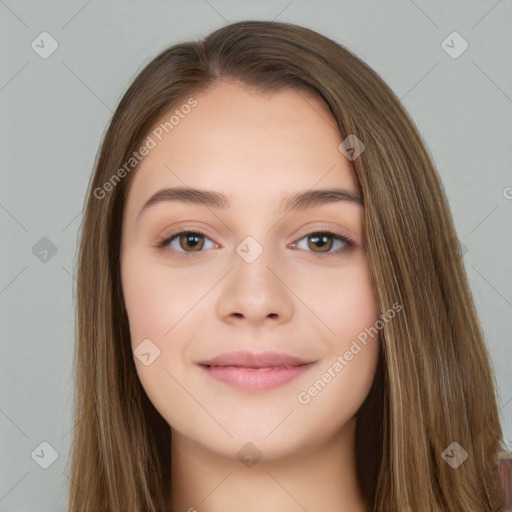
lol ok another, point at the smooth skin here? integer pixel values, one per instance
(196, 298)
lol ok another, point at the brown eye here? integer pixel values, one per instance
(322, 241)
(186, 242)
(195, 241)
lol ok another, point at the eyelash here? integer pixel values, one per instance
(163, 243)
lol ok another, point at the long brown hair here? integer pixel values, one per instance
(434, 385)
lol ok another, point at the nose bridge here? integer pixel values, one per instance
(250, 249)
(252, 289)
(254, 260)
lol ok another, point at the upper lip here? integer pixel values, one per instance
(246, 359)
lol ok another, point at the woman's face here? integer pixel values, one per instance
(254, 276)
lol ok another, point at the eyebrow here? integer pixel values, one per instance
(295, 201)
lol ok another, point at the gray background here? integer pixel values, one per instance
(55, 110)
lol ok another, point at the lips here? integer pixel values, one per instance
(244, 359)
(255, 372)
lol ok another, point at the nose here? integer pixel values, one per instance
(256, 290)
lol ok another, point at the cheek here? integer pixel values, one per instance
(338, 388)
(156, 306)
(155, 298)
(344, 300)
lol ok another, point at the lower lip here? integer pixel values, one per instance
(255, 379)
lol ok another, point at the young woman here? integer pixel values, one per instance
(272, 312)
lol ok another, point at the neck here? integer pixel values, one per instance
(322, 477)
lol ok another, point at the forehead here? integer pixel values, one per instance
(251, 144)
